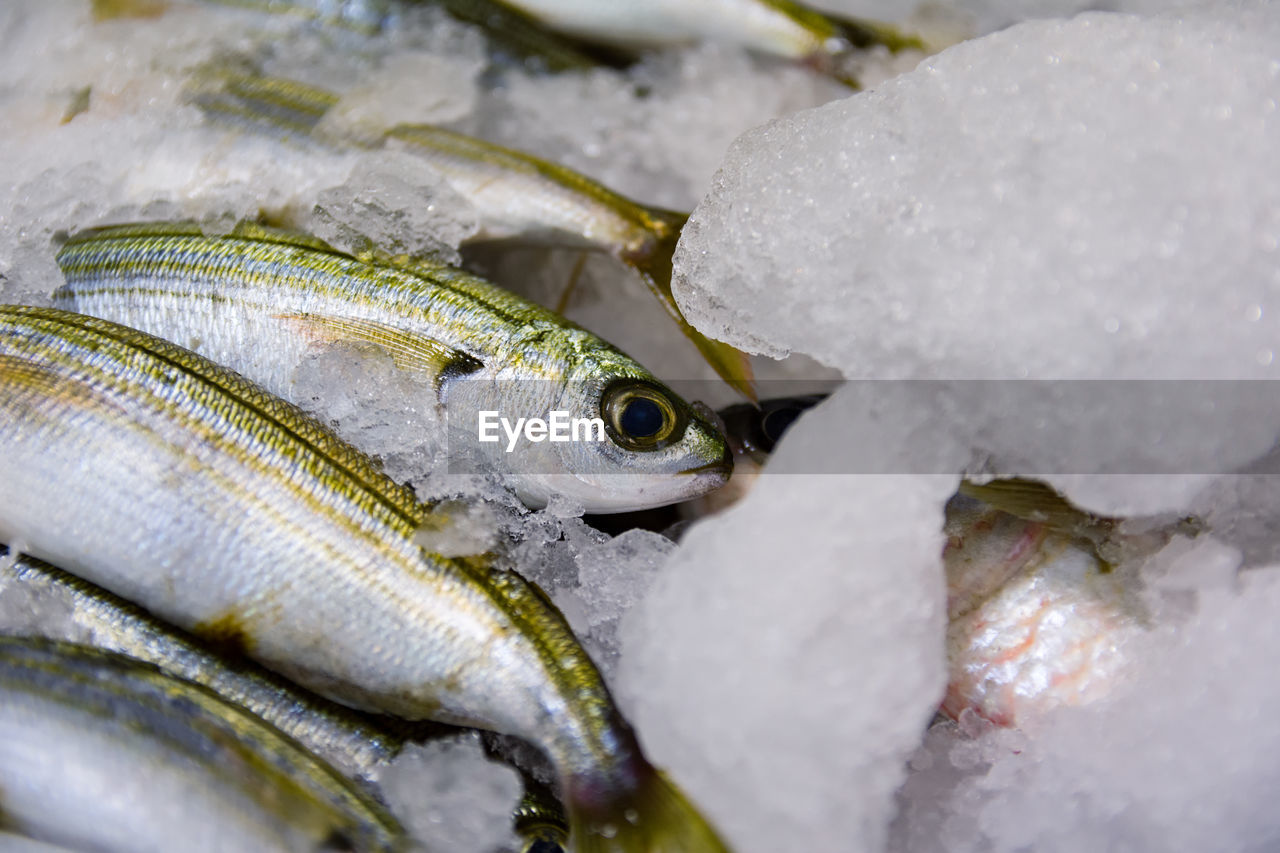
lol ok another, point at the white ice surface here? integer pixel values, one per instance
(790, 652)
(1009, 209)
(1083, 199)
(452, 797)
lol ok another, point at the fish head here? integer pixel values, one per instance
(648, 446)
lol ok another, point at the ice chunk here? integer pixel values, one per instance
(409, 88)
(1092, 198)
(27, 610)
(612, 577)
(394, 203)
(656, 134)
(790, 651)
(459, 529)
(451, 797)
(384, 411)
(1084, 199)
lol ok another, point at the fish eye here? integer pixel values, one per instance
(640, 416)
(778, 421)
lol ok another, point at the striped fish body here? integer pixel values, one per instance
(259, 301)
(99, 751)
(350, 741)
(225, 511)
(359, 745)
(179, 485)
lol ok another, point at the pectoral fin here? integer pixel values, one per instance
(17, 372)
(44, 386)
(408, 350)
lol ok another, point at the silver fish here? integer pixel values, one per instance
(781, 28)
(258, 300)
(99, 751)
(350, 741)
(177, 484)
(360, 745)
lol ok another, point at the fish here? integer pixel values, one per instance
(515, 195)
(355, 743)
(358, 744)
(755, 430)
(1041, 604)
(178, 484)
(780, 28)
(259, 299)
(515, 38)
(100, 751)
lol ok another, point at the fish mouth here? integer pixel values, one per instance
(722, 466)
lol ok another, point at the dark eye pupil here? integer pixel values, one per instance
(641, 418)
(777, 422)
(544, 846)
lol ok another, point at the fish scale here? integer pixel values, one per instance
(177, 484)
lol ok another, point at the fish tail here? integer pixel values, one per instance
(655, 267)
(656, 818)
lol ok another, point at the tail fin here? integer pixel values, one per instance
(658, 818)
(733, 365)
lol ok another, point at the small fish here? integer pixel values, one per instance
(515, 195)
(755, 430)
(99, 751)
(780, 28)
(514, 36)
(179, 485)
(356, 743)
(1037, 619)
(257, 300)
(353, 742)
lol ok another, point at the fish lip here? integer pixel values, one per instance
(722, 466)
